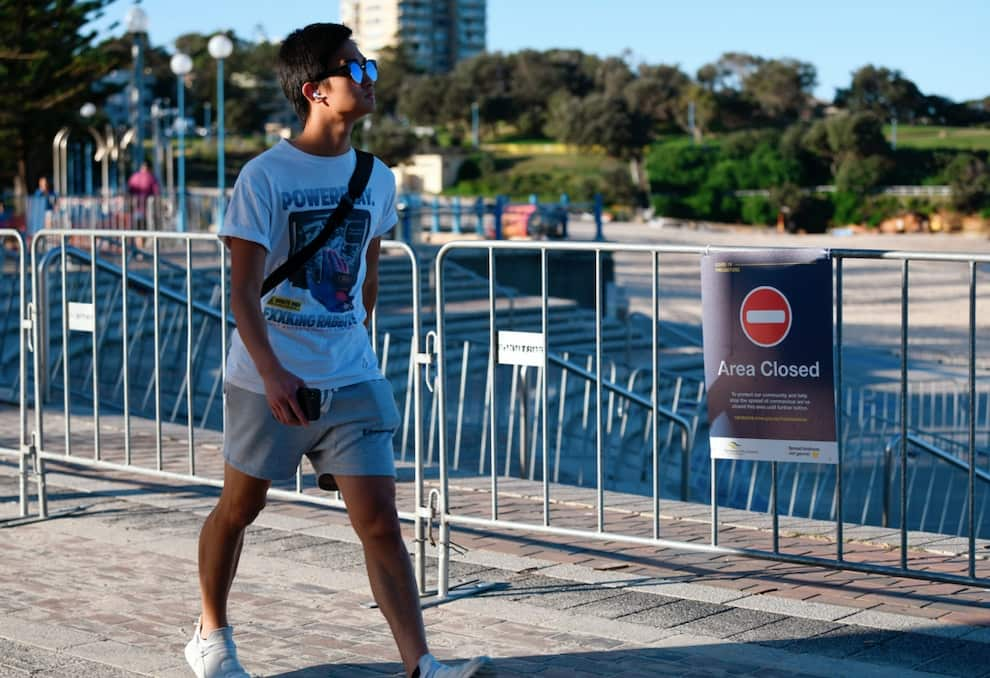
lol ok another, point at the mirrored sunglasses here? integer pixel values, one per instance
(356, 70)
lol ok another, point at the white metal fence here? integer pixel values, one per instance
(600, 408)
(16, 315)
(131, 326)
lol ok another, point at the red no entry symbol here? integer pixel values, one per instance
(765, 316)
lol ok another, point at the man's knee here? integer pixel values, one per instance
(380, 525)
(238, 513)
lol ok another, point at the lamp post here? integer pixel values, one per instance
(137, 25)
(105, 149)
(181, 64)
(475, 137)
(220, 48)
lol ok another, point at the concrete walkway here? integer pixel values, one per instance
(108, 588)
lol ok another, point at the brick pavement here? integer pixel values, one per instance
(111, 590)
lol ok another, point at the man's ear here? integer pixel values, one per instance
(311, 91)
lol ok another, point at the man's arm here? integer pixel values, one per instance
(247, 266)
(369, 291)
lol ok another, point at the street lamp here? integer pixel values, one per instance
(106, 149)
(136, 21)
(181, 64)
(220, 48)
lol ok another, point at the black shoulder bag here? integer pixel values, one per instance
(355, 187)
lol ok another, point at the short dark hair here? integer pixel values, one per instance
(303, 56)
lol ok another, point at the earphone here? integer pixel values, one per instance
(318, 95)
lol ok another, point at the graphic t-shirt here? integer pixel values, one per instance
(315, 317)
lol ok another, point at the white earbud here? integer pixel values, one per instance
(317, 96)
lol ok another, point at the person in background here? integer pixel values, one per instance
(141, 186)
(41, 207)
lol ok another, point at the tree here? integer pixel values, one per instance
(534, 75)
(658, 92)
(781, 89)
(485, 80)
(608, 122)
(48, 68)
(391, 141)
(727, 107)
(883, 92)
(395, 68)
(421, 99)
(251, 89)
(969, 178)
(848, 135)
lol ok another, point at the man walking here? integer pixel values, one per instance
(309, 332)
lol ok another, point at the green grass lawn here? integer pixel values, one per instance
(957, 138)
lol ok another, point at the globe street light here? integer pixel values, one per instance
(220, 48)
(136, 21)
(181, 64)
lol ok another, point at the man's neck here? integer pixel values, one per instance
(327, 138)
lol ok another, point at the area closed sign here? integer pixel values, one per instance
(765, 316)
(767, 326)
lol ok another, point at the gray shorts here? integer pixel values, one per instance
(352, 437)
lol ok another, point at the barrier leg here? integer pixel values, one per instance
(23, 482)
(39, 471)
(599, 231)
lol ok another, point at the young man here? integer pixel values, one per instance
(310, 331)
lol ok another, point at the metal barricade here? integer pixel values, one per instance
(136, 342)
(448, 516)
(15, 328)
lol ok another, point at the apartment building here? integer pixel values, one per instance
(436, 33)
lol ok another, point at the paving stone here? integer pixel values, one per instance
(966, 660)
(784, 632)
(462, 570)
(20, 659)
(729, 622)
(908, 650)
(333, 555)
(556, 593)
(843, 642)
(673, 614)
(129, 582)
(626, 603)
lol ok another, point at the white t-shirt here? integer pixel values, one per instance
(315, 317)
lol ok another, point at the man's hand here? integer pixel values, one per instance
(280, 390)
(247, 265)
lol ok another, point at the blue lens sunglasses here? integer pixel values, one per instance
(355, 69)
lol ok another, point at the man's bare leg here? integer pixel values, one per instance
(371, 506)
(221, 539)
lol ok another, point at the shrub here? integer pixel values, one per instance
(757, 209)
(860, 175)
(847, 208)
(881, 207)
(970, 182)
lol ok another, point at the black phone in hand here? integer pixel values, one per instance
(309, 401)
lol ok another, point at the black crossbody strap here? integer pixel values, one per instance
(355, 187)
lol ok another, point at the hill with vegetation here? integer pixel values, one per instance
(741, 139)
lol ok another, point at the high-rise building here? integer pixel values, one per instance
(435, 33)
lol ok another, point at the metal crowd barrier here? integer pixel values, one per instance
(88, 283)
(17, 313)
(449, 517)
(100, 275)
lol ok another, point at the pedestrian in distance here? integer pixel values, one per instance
(141, 186)
(41, 207)
(302, 378)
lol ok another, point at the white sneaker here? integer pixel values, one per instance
(479, 667)
(216, 656)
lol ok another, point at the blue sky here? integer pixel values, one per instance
(943, 49)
